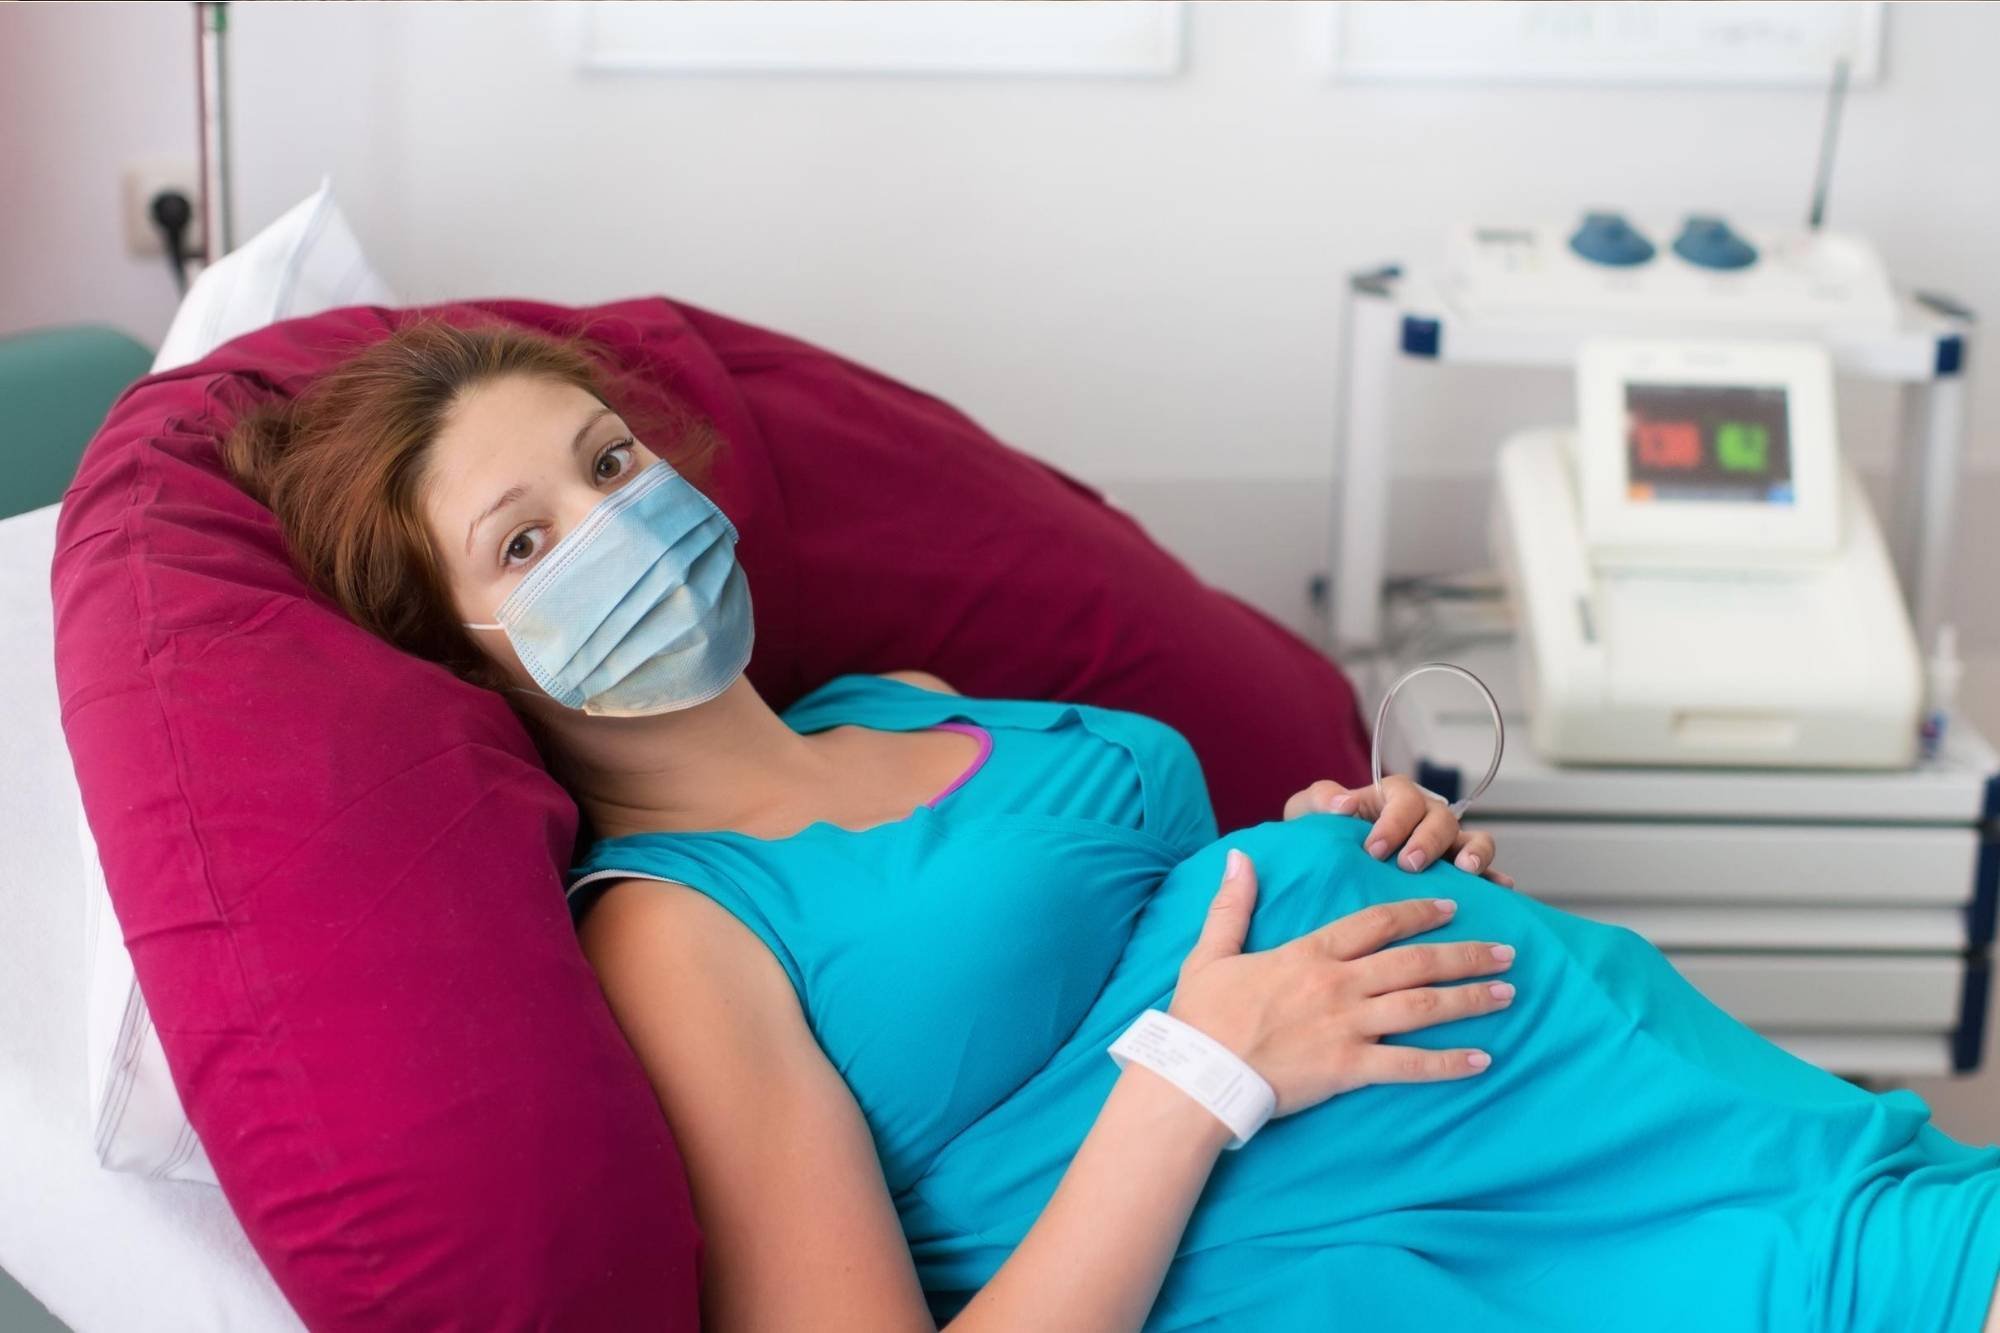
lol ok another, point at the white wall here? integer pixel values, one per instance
(1138, 279)
(85, 89)
(1134, 277)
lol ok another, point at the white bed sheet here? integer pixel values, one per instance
(107, 1252)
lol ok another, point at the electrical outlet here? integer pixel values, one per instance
(145, 179)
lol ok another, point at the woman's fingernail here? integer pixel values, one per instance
(1414, 858)
(1343, 803)
(1503, 953)
(1445, 905)
(1378, 847)
(1478, 1059)
(1469, 862)
(1501, 990)
(1232, 864)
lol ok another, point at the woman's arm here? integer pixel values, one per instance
(1096, 1256)
(798, 1227)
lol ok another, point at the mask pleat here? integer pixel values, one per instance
(644, 611)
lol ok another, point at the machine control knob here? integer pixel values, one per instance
(1710, 242)
(1607, 238)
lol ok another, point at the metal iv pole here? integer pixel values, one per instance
(211, 45)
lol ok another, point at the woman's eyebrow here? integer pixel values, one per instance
(584, 429)
(513, 493)
(507, 497)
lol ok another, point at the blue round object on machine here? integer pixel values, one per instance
(1712, 243)
(1607, 238)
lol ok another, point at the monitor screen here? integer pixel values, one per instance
(1710, 442)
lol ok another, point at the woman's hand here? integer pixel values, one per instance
(1308, 1015)
(1423, 826)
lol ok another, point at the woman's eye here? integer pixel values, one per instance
(521, 547)
(614, 461)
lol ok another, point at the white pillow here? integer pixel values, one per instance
(135, 1112)
(305, 262)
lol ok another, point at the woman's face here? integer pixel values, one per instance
(519, 462)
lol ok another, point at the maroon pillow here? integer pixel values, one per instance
(338, 867)
(915, 539)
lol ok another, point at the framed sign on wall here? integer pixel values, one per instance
(1622, 41)
(1060, 37)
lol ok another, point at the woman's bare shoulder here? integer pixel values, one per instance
(669, 911)
(790, 1235)
(923, 680)
(693, 987)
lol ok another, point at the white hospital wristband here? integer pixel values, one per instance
(1200, 1066)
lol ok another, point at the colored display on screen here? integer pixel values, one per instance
(1707, 442)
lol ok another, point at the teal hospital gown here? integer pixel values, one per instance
(1633, 1159)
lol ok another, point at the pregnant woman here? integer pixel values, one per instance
(872, 950)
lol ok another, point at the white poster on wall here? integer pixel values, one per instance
(1620, 41)
(1076, 37)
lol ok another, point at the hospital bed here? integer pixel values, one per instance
(104, 1250)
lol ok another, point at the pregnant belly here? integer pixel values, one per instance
(1626, 1128)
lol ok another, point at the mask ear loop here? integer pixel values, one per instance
(512, 689)
(1457, 807)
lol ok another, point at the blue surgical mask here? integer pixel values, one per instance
(640, 609)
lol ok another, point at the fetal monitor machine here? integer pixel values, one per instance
(1701, 629)
(1708, 640)
(1696, 574)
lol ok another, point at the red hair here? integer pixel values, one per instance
(341, 467)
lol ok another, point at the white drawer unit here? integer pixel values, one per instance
(1710, 861)
(1831, 992)
(1894, 1055)
(1778, 930)
(1848, 916)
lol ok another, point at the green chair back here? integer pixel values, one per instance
(55, 387)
